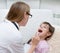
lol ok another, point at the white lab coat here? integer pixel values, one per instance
(10, 38)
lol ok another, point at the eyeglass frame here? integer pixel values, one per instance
(29, 14)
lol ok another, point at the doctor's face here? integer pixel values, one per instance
(26, 17)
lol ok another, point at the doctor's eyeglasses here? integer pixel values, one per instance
(29, 14)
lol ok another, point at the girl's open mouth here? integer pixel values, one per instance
(39, 30)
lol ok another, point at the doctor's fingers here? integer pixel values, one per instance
(36, 38)
(37, 34)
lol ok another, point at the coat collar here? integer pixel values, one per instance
(6, 20)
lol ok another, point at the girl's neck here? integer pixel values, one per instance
(42, 38)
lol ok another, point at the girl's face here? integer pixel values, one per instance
(44, 30)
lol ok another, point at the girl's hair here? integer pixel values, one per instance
(16, 12)
(51, 30)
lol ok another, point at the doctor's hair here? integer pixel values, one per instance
(16, 12)
(51, 30)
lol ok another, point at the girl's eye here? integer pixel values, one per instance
(45, 27)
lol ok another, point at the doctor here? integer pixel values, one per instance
(10, 36)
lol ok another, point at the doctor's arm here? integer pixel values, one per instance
(35, 40)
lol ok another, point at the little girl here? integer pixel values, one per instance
(46, 31)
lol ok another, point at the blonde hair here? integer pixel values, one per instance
(16, 12)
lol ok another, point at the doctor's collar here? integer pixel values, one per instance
(15, 23)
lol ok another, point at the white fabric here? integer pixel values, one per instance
(26, 48)
(10, 38)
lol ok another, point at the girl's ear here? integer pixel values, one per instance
(48, 34)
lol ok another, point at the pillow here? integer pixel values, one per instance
(55, 41)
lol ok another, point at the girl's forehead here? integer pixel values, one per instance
(44, 25)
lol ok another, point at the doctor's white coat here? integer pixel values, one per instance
(10, 38)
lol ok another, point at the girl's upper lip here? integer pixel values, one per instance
(39, 30)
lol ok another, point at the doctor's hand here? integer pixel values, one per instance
(35, 40)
